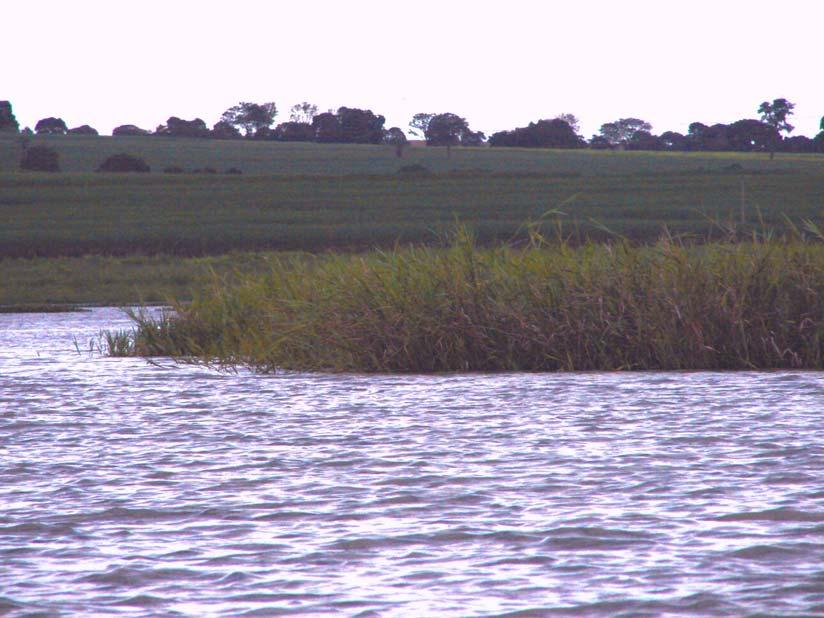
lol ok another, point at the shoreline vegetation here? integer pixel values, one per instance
(549, 306)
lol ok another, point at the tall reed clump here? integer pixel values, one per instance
(746, 305)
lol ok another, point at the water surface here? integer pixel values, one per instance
(134, 489)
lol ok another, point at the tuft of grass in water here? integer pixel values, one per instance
(673, 305)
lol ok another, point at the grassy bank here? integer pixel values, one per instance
(49, 283)
(757, 304)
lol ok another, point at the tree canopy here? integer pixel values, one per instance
(420, 123)
(51, 126)
(7, 120)
(445, 130)
(358, 126)
(177, 127)
(776, 113)
(251, 117)
(554, 133)
(619, 132)
(303, 112)
(294, 131)
(363, 126)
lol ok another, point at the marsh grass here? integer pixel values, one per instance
(672, 305)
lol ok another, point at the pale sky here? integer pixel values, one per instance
(498, 64)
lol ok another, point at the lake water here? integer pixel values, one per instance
(134, 489)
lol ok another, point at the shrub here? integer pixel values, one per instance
(173, 169)
(83, 130)
(204, 170)
(234, 170)
(130, 130)
(123, 163)
(40, 159)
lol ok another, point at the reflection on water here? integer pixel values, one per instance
(135, 489)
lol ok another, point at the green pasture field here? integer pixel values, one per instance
(311, 197)
(121, 214)
(78, 214)
(80, 153)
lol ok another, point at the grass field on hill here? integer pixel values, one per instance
(80, 153)
(120, 214)
(297, 196)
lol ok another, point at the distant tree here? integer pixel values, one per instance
(129, 130)
(554, 133)
(303, 112)
(224, 130)
(599, 142)
(326, 127)
(7, 120)
(751, 135)
(472, 138)
(571, 120)
(695, 137)
(294, 132)
(446, 130)
(123, 163)
(703, 137)
(821, 124)
(799, 144)
(644, 140)
(672, 140)
(177, 127)
(618, 133)
(359, 126)
(83, 130)
(420, 123)
(51, 126)
(775, 114)
(251, 117)
(397, 138)
(40, 159)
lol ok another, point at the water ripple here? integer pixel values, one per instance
(135, 489)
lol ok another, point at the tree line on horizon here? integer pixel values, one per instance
(248, 120)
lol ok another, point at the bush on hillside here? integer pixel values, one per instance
(123, 163)
(173, 169)
(83, 130)
(130, 130)
(40, 159)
